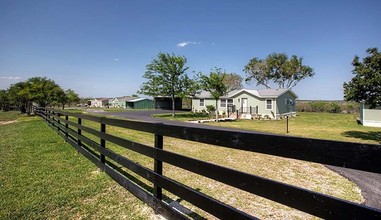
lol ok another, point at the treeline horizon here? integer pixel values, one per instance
(36, 90)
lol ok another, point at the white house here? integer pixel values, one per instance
(99, 102)
(272, 103)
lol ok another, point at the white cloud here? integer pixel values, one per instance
(213, 43)
(10, 77)
(186, 43)
(116, 59)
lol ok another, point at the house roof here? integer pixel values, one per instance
(263, 93)
(138, 99)
(205, 94)
(273, 92)
(99, 99)
(124, 98)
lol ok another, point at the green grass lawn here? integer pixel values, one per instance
(341, 127)
(42, 177)
(312, 176)
(10, 116)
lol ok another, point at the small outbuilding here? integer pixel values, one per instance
(370, 116)
(139, 103)
(120, 102)
(164, 102)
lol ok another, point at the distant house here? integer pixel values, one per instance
(164, 102)
(120, 102)
(272, 103)
(99, 102)
(370, 117)
(128, 102)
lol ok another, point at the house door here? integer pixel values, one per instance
(244, 108)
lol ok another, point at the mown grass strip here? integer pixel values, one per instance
(42, 177)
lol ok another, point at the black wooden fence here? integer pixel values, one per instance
(364, 157)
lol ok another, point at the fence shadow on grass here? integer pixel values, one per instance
(173, 203)
(370, 135)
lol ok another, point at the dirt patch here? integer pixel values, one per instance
(7, 122)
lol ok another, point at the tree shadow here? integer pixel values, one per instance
(370, 135)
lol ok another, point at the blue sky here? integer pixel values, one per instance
(101, 48)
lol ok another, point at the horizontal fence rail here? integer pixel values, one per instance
(365, 157)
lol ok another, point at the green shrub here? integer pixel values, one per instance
(319, 106)
(334, 107)
(328, 106)
(351, 107)
(210, 108)
(303, 107)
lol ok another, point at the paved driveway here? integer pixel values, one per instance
(369, 183)
(146, 116)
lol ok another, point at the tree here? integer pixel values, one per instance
(4, 100)
(166, 75)
(71, 96)
(19, 96)
(214, 83)
(233, 81)
(366, 84)
(42, 90)
(60, 97)
(279, 69)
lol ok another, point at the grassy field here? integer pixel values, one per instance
(43, 177)
(308, 175)
(10, 116)
(341, 127)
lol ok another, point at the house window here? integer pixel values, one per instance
(223, 103)
(202, 102)
(226, 102)
(230, 102)
(269, 104)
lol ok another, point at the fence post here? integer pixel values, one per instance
(103, 144)
(251, 110)
(66, 127)
(287, 124)
(79, 131)
(237, 114)
(158, 165)
(59, 121)
(51, 119)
